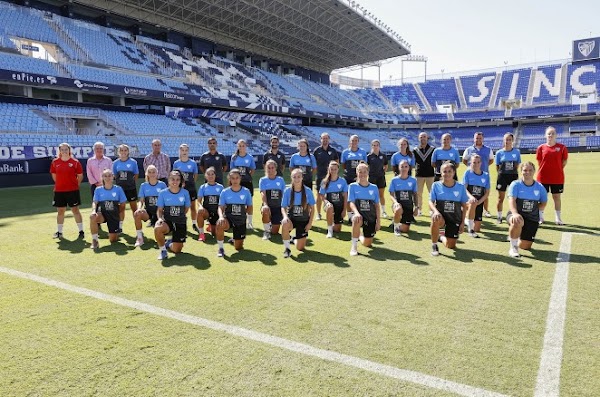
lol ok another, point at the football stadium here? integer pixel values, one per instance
(196, 200)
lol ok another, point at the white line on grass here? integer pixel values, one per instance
(548, 378)
(371, 366)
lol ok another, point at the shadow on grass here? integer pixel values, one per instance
(186, 259)
(248, 255)
(593, 231)
(470, 256)
(315, 257)
(380, 253)
(118, 247)
(75, 246)
(551, 257)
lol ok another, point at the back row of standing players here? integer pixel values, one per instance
(338, 198)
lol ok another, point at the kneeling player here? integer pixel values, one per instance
(526, 198)
(448, 203)
(477, 183)
(235, 204)
(173, 205)
(363, 199)
(297, 208)
(208, 203)
(271, 188)
(403, 189)
(108, 202)
(334, 193)
(148, 196)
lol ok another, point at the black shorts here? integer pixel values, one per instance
(319, 181)
(153, 216)
(249, 185)
(112, 222)
(300, 229)
(555, 188)
(378, 181)
(179, 231)
(479, 212)
(451, 229)
(131, 194)
(529, 229)
(504, 181)
(407, 216)
(276, 215)
(337, 214)
(239, 231)
(368, 228)
(193, 193)
(213, 217)
(63, 199)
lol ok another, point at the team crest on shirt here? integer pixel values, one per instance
(482, 180)
(339, 185)
(218, 190)
(246, 161)
(557, 149)
(278, 184)
(456, 194)
(189, 167)
(114, 194)
(536, 192)
(380, 157)
(371, 192)
(451, 154)
(278, 156)
(242, 196)
(409, 184)
(514, 156)
(329, 153)
(217, 158)
(70, 165)
(181, 199)
(128, 165)
(307, 161)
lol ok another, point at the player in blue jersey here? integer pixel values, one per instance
(487, 159)
(244, 162)
(324, 154)
(173, 204)
(334, 194)
(477, 183)
(443, 154)
(271, 187)
(107, 204)
(305, 161)
(403, 190)
(126, 173)
(148, 198)
(448, 203)
(297, 209)
(378, 165)
(526, 198)
(508, 160)
(363, 199)
(235, 205)
(208, 203)
(189, 170)
(350, 159)
(403, 153)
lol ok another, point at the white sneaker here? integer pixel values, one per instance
(329, 235)
(353, 252)
(559, 222)
(473, 234)
(487, 214)
(397, 232)
(249, 226)
(384, 215)
(435, 251)
(319, 217)
(139, 242)
(513, 252)
(498, 221)
(541, 220)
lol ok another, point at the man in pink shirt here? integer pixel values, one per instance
(95, 166)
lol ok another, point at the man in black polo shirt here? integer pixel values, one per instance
(424, 171)
(212, 158)
(275, 155)
(323, 154)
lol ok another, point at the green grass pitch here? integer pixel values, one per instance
(472, 316)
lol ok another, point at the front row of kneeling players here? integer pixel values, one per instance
(292, 207)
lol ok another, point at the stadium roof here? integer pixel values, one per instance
(321, 35)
